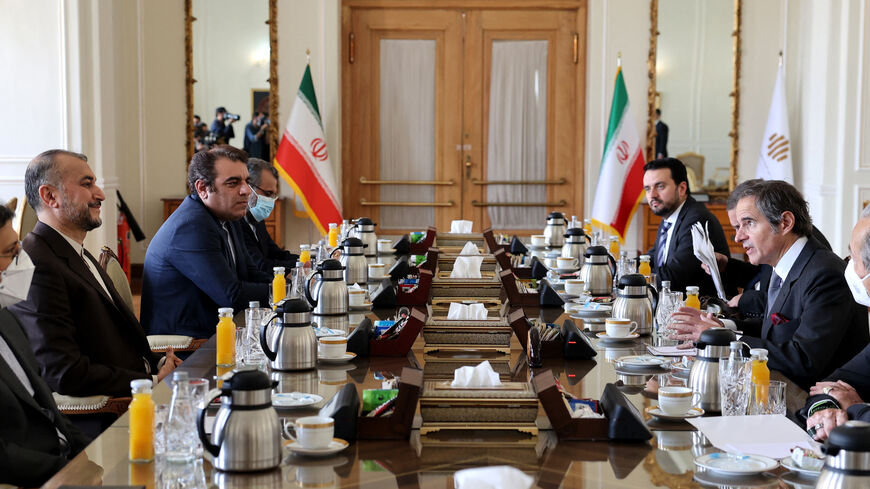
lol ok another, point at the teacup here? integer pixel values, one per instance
(311, 431)
(675, 400)
(566, 263)
(332, 346)
(356, 297)
(619, 327)
(574, 286)
(385, 246)
(539, 240)
(377, 270)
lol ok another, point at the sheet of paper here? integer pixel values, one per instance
(671, 351)
(770, 435)
(704, 252)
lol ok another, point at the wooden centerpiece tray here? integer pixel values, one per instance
(458, 240)
(446, 261)
(509, 406)
(486, 286)
(442, 334)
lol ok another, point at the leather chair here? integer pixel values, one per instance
(695, 162)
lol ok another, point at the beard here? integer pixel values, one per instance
(81, 216)
(665, 209)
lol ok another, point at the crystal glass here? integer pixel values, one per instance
(770, 402)
(735, 377)
(181, 436)
(161, 412)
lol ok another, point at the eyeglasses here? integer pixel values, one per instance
(266, 193)
(15, 251)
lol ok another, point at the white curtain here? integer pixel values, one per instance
(407, 135)
(517, 146)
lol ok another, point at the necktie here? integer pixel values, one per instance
(663, 244)
(773, 290)
(230, 253)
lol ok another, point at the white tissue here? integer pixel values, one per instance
(460, 227)
(467, 265)
(496, 477)
(481, 375)
(474, 311)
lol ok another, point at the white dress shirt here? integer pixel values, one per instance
(673, 220)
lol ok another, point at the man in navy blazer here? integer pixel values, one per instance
(197, 262)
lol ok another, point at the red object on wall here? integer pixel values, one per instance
(124, 244)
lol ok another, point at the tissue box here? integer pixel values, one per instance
(458, 240)
(440, 333)
(446, 261)
(486, 286)
(509, 403)
(441, 365)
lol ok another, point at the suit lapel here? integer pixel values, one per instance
(796, 270)
(8, 376)
(677, 225)
(76, 262)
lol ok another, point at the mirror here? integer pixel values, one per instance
(693, 99)
(231, 62)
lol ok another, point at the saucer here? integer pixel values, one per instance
(294, 399)
(603, 336)
(729, 464)
(565, 271)
(641, 362)
(660, 415)
(378, 279)
(367, 306)
(348, 356)
(335, 446)
(789, 464)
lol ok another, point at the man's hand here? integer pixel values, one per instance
(689, 323)
(735, 301)
(721, 262)
(845, 394)
(826, 420)
(169, 365)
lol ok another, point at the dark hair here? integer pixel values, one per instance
(774, 197)
(219, 110)
(255, 168)
(197, 117)
(658, 111)
(6, 215)
(43, 170)
(202, 164)
(678, 170)
(740, 191)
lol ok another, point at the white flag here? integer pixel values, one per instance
(774, 162)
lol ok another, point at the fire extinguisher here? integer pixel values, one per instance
(124, 244)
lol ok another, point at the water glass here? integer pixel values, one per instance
(241, 343)
(771, 402)
(161, 412)
(735, 377)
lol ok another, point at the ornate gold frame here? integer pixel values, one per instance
(734, 134)
(273, 75)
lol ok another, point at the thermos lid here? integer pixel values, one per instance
(632, 280)
(365, 221)
(574, 232)
(330, 264)
(248, 380)
(293, 305)
(556, 215)
(351, 242)
(717, 337)
(852, 436)
(595, 250)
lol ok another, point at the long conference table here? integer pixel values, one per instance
(430, 460)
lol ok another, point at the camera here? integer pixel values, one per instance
(265, 121)
(231, 117)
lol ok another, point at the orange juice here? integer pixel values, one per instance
(279, 285)
(141, 422)
(333, 235)
(644, 268)
(220, 372)
(692, 298)
(142, 475)
(760, 375)
(226, 338)
(587, 226)
(304, 254)
(614, 247)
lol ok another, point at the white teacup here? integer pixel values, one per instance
(539, 240)
(385, 246)
(619, 327)
(566, 263)
(675, 400)
(356, 297)
(574, 286)
(311, 431)
(332, 346)
(377, 270)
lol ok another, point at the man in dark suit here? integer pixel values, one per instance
(257, 136)
(673, 256)
(661, 136)
(197, 262)
(812, 324)
(85, 338)
(36, 440)
(264, 252)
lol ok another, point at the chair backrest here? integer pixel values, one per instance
(25, 218)
(696, 163)
(112, 266)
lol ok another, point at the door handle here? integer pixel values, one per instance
(468, 165)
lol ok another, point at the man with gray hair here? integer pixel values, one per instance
(261, 247)
(811, 324)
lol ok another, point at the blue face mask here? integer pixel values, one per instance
(260, 205)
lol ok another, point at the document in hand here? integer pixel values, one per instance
(704, 251)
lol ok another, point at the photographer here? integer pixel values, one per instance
(256, 140)
(222, 126)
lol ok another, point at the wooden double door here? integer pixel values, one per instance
(462, 110)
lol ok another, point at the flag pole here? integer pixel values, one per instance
(308, 56)
(619, 59)
(780, 58)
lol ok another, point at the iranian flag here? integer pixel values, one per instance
(620, 182)
(303, 161)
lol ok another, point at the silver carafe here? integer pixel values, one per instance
(554, 231)
(356, 268)
(329, 294)
(633, 301)
(597, 272)
(713, 345)
(364, 229)
(293, 346)
(575, 244)
(847, 457)
(247, 434)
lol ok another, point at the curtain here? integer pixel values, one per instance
(407, 130)
(517, 144)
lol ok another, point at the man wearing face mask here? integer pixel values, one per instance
(849, 385)
(263, 250)
(36, 440)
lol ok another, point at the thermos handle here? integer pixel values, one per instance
(655, 297)
(337, 248)
(265, 344)
(830, 451)
(312, 300)
(612, 265)
(200, 423)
